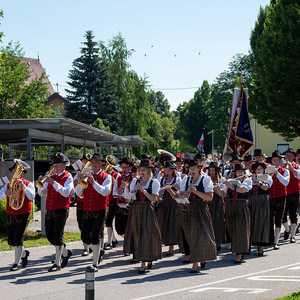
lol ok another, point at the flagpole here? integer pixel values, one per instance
(212, 142)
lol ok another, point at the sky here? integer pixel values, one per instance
(177, 44)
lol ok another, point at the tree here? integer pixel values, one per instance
(159, 103)
(275, 45)
(18, 100)
(92, 95)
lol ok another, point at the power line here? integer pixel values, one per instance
(183, 88)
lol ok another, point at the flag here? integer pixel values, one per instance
(240, 136)
(200, 145)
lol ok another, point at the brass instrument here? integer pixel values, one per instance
(41, 183)
(111, 161)
(163, 153)
(83, 182)
(135, 160)
(16, 187)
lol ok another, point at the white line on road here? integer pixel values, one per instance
(230, 290)
(295, 268)
(275, 278)
(215, 282)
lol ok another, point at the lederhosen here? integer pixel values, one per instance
(261, 219)
(17, 220)
(57, 207)
(292, 198)
(217, 211)
(278, 195)
(94, 212)
(166, 216)
(201, 238)
(238, 221)
(146, 237)
(121, 213)
(79, 211)
(112, 207)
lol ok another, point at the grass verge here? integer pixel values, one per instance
(35, 239)
(294, 296)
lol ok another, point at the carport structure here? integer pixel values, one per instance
(61, 131)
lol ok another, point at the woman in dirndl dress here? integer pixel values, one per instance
(261, 220)
(238, 220)
(201, 245)
(168, 206)
(217, 205)
(146, 237)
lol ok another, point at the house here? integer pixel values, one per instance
(36, 71)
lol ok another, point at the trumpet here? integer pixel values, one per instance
(83, 182)
(41, 183)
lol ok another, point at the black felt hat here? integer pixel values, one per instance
(14, 165)
(193, 163)
(99, 157)
(126, 160)
(257, 164)
(146, 163)
(214, 165)
(236, 157)
(248, 157)
(276, 153)
(169, 165)
(258, 152)
(290, 150)
(59, 157)
(239, 167)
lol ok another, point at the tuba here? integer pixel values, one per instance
(111, 161)
(163, 153)
(16, 200)
(40, 183)
(135, 160)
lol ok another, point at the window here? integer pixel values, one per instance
(281, 147)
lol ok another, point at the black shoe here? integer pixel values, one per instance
(202, 265)
(292, 240)
(100, 256)
(25, 259)
(90, 250)
(65, 259)
(142, 271)
(15, 267)
(186, 261)
(54, 268)
(95, 268)
(195, 271)
(219, 248)
(133, 261)
(85, 252)
(260, 253)
(286, 235)
(298, 229)
(276, 247)
(169, 254)
(107, 247)
(114, 243)
(238, 262)
(149, 265)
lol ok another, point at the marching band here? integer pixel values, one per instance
(198, 204)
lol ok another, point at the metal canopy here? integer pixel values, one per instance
(61, 131)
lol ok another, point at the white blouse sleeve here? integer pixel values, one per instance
(247, 183)
(155, 187)
(208, 184)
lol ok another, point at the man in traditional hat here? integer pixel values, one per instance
(248, 160)
(259, 156)
(278, 193)
(58, 188)
(17, 219)
(235, 159)
(292, 199)
(96, 200)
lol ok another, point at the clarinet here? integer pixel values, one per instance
(137, 182)
(188, 196)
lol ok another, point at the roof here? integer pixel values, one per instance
(36, 70)
(57, 95)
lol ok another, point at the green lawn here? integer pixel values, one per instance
(35, 239)
(293, 296)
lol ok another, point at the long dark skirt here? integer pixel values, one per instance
(145, 232)
(238, 224)
(217, 211)
(182, 228)
(201, 234)
(260, 220)
(128, 243)
(166, 220)
(121, 220)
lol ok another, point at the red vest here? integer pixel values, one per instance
(294, 184)
(93, 201)
(26, 208)
(54, 199)
(277, 189)
(114, 175)
(118, 183)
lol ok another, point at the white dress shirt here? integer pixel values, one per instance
(29, 191)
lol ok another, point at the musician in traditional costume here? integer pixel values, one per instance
(234, 160)
(18, 214)
(121, 186)
(278, 193)
(79, 206)
(96, 200)
(168, 206)
(217, 205)
(292, 199)
(298, 156)
(261, 219)
(248, 161)
(58, 188)
(238, 214)
(200, 246)
(112, 210)
(145, 233)
(259, 156)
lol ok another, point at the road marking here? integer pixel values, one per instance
(231, 290)
(275, 278)
(295, 268)
(215, 282)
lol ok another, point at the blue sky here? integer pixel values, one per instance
(178, 31)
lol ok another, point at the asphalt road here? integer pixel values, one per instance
(274, 275)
